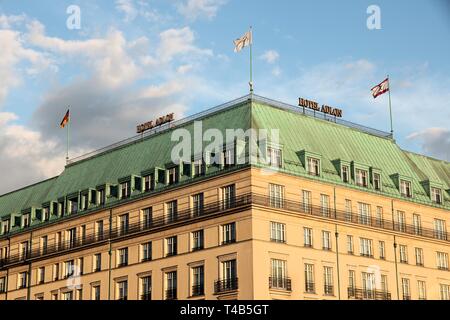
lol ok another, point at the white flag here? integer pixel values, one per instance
(242, 42)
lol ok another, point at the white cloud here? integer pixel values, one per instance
(270, 56)
(127, 8)
(194, 9)
(276, 71)
(434, 141)
(7, 22)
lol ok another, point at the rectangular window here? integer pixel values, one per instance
(229, 273)
(348, 210)
(41, 275)
(146, 288)
(85, 201)
(228, 196)
(365, 247)
(436, 195)
(278, 278)
(24, 250)
(309, 278)
(278, 232)
(172, 211)
(101, 197)
(99, 230)
(417, 224)
(380, 219)
(275, 157)
(308, 237)
(23, 279)
(422, 289)
(229, 233)
(440, 229)
(26, 220)
(364, 213)
(368, 283)
(228, 156)
(406, 289)
(350, 249)
(80, 266)
(442, 260)
(171, 245)
(351, 281)
(172, 175)
(405, 188)
(67, 295)
(69, 268)
(46, 213)
(97, 262)
(382, 248)
(122, 257)
(147, 217)
(72, 237)
(55, 271)
(146, 250)
(197, 204)
(313, 166)
(326, 240)
(122, 290)
(124, 221)
(44, 245)
(125, 190)
(419, 256)
(276, 195)
(403, 254)
(325, 205)
(2, 284)
(401, 221)
(96, 292)
(171, 285)
(361, 178)
(384, 285)
(328, 281)
(306, 201)
(345, 174)
(376, 181)
(5, 226)
(445, 291)
(197, 240)
(198, 281)
(148, 183)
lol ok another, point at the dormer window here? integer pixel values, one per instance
(405, 188)
(228, 157)
(26, 220)
(148, 183)
(85, 201)
(275, 157)
(125, 190)
(345, 174)
(73, 205)
(101, 197)
(46, 213)
(313, 166)
(436, 195)
(198, 168)
(361, 178)
(376, 181)
(5, 227)
(173, 178)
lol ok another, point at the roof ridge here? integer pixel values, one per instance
(29, 186)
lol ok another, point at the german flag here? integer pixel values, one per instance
(66, 119)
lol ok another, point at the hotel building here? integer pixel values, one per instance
(334, 210)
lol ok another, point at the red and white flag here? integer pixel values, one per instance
(381, 88)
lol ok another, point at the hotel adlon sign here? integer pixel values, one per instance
(156, 123)
(316, 107)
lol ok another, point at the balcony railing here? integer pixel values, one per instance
(213, 209)
(226, 285)
(310, 287)
(171, 294)
(280, 283)
(364, 294)
(146, 296)
(328, 290)
(198, 290)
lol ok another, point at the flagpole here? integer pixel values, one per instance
(390, 108)
(68, 137)
(251, 61)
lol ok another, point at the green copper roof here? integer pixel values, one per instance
(298, 132)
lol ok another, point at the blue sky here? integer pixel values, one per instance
(132, 60)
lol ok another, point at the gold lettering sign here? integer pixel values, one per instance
(153, 124)
(324, 109)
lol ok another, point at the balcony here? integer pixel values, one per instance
(310, 287)
(365, 294)
(224, 286)
(198, 248)
(147, 296)
(198, 290)
(279, 283)
(171, 294)
(229, 241)
(122, 264)
(278, 240)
